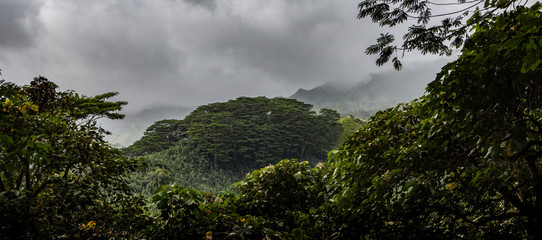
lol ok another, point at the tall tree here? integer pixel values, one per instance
(259, 131)
(159, 136)
(56, 171)
(465, 160)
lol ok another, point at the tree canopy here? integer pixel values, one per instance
(159, 136)
(56, 171)
(182, 164)
(464, 161)
(425, 35)
(258, 131)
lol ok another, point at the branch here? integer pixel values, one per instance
(526, 148)
(457, 3)
(450, 13)
(12, 155)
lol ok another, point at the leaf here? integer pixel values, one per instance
(489, 152)
(475, 179)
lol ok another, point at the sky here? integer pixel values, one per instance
(185, 52)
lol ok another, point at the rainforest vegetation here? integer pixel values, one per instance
(217, 144)
(461, 162)
(248, 131)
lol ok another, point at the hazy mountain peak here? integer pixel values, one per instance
(376, 91)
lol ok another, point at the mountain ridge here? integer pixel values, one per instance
(377, 91)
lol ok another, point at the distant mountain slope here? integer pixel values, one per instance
(376, 92)
(127, 131)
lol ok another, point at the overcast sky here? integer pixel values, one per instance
(185, 52)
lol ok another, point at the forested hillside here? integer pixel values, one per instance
(259, 131)
(248, 131)
(184, 165)
(464, 161)
(217, 144)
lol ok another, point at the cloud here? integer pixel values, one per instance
(184, 52)
(293, 42)
(209, 4)
(19, 23)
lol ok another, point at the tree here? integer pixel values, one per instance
(277, 190)
(183, 164)
(451, 33)
(258, 131)
(350, 124)
(159, 136)
(464, 161)
(287, 193)
(56, 171)
(272, 203)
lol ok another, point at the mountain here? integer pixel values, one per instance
(323, 94)
(127, 131)
(375, 92)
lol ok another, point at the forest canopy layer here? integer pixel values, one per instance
(248, 132)
(462, 162)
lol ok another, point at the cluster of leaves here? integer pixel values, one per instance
(350, 124)
(462, 162)
(451, 33)
(271, 203)
(56, 171)
(191, 214)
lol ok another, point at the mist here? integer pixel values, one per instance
(186, 53)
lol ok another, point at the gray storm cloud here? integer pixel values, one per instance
(184, 52)
(19, 25)
(209, 4)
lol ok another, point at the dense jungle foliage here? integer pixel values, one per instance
(183, 164)
(56, 171)
(462, 162)
(217, 144)
(259, 131)
(248, 132)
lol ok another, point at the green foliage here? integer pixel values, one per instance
(159, 136)
(183, 164)
(56, 171)
(462, 162)
(290, 194)
(258, 131)
(273, 203)
(451, 32)
(277, 190)
(350, 124)
(190, 214)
